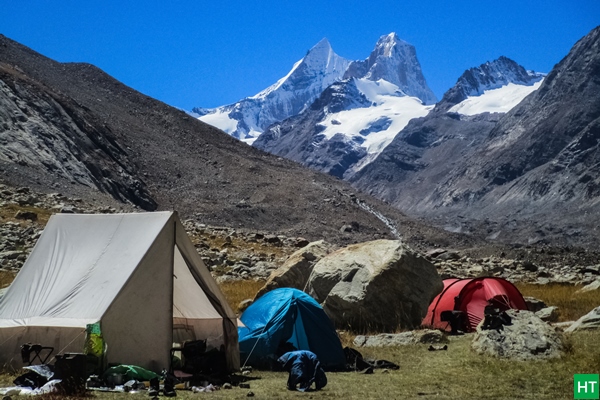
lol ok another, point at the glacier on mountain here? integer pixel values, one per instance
(500, 73)
(337, 116)
(500, 100)
(373, 127)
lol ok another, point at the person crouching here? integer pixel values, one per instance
(304, 368)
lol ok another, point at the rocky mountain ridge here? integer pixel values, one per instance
(345, 128)
(289, 96)
(343, 140)
(179, 162)
(394, 61)
(488, 76)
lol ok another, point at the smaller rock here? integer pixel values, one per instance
(301, 242)
(548, 314)
(401, 339)
(534, 304)
(346, 228)
(449, 255)
(273, 239)
(227, 386)
(591, 287)
(589, 321)
(26, 215)
(434, 253)
(527, 337)
(529, 266)
(244, 304)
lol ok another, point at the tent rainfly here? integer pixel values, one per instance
(471, 296)
(138, 275)
(287, 315)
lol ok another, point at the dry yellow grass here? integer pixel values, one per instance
(571, 305)
(8, 212)
(234, 243)
(236, 291)
(6, 277)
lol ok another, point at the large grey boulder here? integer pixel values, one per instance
(527, 338)
(296, 270)
(381, 285)
(590, 320)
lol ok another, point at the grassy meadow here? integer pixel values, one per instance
(457, 373)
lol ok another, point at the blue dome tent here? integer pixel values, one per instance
(291, 316)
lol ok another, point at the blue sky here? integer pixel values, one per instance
(211, 53)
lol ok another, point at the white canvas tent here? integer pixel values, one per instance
(139, 275)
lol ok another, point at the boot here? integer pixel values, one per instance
(154, 387)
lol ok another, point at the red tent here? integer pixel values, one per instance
(471, 296)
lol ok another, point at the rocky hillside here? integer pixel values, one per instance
(72, 129)
(49, 138)
(238, 253)
(528, 176)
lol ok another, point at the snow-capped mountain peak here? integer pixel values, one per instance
(388, 42)
(392, 61)
(495, 86)
(395, 61)
(488, 76)
(318, 69)
(289, 96)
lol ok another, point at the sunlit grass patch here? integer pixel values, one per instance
(237, 291)
(8, 212)
(6, 278)
(571, 305)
